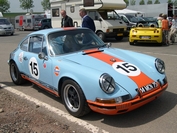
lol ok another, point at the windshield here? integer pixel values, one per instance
(73, 40)
(132, 18)
(4, 21)
(109, 15)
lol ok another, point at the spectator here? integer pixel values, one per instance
(160, 20)
(66, 20)
(173, 28)
(165, 29)
(86, 20)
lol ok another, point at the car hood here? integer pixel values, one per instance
(128, 69)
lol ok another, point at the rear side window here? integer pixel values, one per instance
(24, 45)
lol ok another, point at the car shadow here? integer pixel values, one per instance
(140, 116)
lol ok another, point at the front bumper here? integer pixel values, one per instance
(6, 32)
(113, 109)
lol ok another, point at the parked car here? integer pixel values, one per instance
(130, 20)
(6, 28)
(43, 24)
(75, 64)
(146, 32)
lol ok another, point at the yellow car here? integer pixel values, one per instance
(145, 32)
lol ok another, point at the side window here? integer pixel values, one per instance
(28, 20)
(55, 12)
(93, 15)
(35, 44)
(24, 45)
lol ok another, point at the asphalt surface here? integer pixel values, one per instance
(157, 116)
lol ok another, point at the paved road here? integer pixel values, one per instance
(157, 116)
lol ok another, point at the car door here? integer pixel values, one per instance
(38, 69)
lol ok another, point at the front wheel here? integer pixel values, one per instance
(101, 35)
(74, 99)
(15, 74)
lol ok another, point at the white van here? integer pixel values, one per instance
(107, 21)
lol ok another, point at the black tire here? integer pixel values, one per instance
(46, 27)
(74, 99)
(101, 35)
(119, 38)
(131, 43)
(15, 74)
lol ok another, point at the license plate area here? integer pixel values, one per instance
(145, 37)
(148, 88)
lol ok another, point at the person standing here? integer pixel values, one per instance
(173, 28)
(160, 20)
(86, 20)
(66, 20)
(165, 29)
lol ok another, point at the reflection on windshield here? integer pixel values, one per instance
(109, 15)
(71, 41)
(4, 21)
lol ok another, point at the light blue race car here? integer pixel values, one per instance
(88, 74)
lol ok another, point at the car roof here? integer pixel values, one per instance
(51, 30)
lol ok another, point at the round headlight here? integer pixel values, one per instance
(160, 66)
(107, 83)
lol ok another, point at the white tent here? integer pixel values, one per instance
(128, 11)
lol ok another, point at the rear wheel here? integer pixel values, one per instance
(15, 74)
(131, 43)
(74, 99)
(101, 35)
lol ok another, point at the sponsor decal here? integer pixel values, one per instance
(56, 70)
(126, 68)
(20, 57)
(33, 68)
(44, 65)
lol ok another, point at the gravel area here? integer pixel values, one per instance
(21, 116)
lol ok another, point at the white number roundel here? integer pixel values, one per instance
(33, 68)
(126, 68)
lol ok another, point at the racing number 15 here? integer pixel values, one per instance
(126, 67)
(34, 69)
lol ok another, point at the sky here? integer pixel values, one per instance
(15, 5)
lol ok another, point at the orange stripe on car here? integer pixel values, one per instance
(141, 80)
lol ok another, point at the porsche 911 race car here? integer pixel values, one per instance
(76, 65)
(146, 32)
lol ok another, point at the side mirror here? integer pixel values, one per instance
(42, 55)
(100, 19)
(109, 44)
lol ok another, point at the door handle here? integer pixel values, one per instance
(25, 58)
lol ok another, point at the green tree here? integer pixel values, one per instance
(156, 2)
(46, 4)
(175, 3)
(149, 2)
(4, 6)
(26, 4)
(170, 1)
(132, 2)
(127, 2)
(142, 2)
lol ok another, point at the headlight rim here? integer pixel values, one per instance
(161, 62)
(112, 82)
